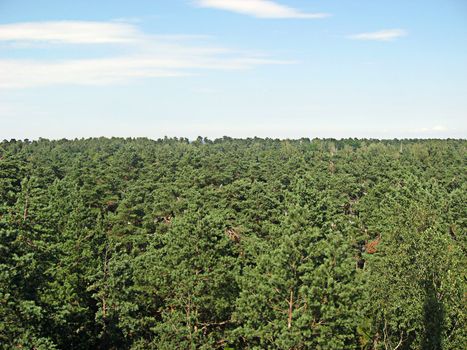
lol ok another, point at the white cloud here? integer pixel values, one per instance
(118, 31)
(70, 32)
(154, 56)
(24, 73)
(439, 128)
(382, 35)
(27, 73)
(435, 128)
(258, 8)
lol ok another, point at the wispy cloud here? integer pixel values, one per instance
(27, 73)
(153, 56)
(382, 35)
(258, 8)
(436, 128)
(70, 32)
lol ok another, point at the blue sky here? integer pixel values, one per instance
(282, 68)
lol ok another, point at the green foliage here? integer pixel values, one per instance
(233, 244)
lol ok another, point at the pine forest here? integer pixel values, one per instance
(114, 243)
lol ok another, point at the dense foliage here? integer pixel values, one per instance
(233, 244)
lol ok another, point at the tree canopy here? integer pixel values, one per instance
(233, 244)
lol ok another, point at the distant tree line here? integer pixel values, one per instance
(233, 244)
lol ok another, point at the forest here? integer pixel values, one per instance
(133, 243)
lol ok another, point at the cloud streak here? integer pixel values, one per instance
(259, 9)
(152, 57)
(70, 32)
(27, 73)
(382, 35)
(436, 128)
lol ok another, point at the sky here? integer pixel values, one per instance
(240, 68)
